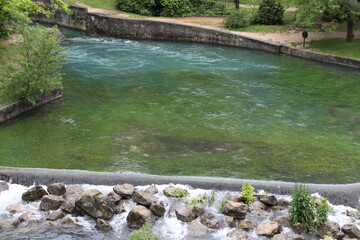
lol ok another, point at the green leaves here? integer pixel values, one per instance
(248, 193)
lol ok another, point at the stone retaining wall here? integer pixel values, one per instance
(14, 109)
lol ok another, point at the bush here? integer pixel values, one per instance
(208, 7)
(176, 8)
(143, 233)
(236, 19)
(36, 67)
(269, 13)
(142, 7)
(248, 193)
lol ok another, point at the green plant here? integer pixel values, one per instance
(36, 68)
(142, 7)
(202, 199)
(143, 233)
(222, 203)
(322, 213)
(176, 8)
(180, 193)
(248, 193)
(269, 13)
(236, 19)
(358, 207)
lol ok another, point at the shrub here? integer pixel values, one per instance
(269, 13)
(358, 207)
(176, 8)
(202, 199)
(236, 19)
(143, 233)
(142, 7)
(248, 193)
(322, 213)
(208, 7)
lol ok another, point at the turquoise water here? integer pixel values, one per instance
(190, 109)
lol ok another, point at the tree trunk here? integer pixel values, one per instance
(350, 31)
(237, 4)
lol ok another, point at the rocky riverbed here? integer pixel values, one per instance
(61, 211)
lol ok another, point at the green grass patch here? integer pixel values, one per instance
(336, 46)
(105, 4)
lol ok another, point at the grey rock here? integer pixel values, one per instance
(198, 210)
(268, 228)
(103, 225)
(53, 216)
(283, 202)
(230, 221)
(237, 236)
(246, 224)
(119, 208)
(57, 189)
(184, 214)
(175, 192)
(114, 197)
(196, 229)
(354, 214)
(139, 216)
(327, 228)
(16, 208)
(299, 228)
(352, 230)
(23, 218)
(158, 209)
(297, 236)
(279, 236)
(72, 193)
(284, 220)
(268, 200)
(95, 204)
(143, 198)
(4, 186)
(260, 214)
(210, 221)
(68, 207)
(235, 209)
(257, 205)
(124, 190)
(152, 190)
(51, 202)
(34, 193)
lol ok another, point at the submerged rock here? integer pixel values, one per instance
(279, 237)
(196, 229)
(257, 205)
(51, 202)
(284, 220)
(95, 204)
(15, 208)
(23, 218)
(4, 186)
(139, 216)
(34, 193)
(246, 224)
(124, 190)
(268, 229)
(158, 209)
(53, 216)
(235, 209)
(184, 214)
(237, 236)
(57, 189)
(230, 221)
(198, 210)
(103, 225)
(210, 221)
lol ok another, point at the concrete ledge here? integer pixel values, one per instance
(345, 194)
(14, 109)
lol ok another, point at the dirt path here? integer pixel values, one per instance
(215, 23)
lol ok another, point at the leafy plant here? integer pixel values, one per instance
(180, 193)
(142, 7)
(143, 233)
(236, 19)
(176, 8)
(222, 203)
(322, 213)
(358, 207)
(269, 13)
(248, 193)
(202, 199)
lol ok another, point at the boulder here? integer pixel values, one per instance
(158, 208)
(268, 229)
(51, 202)
(23, 218)
(279, 236)
(196, 229)
(57, 189)
(139, 216)
(257, 205)
(184, 214)
(53, 216)
(72, 193)
(268, 200)
(295, 236)
(354, 214)
(284, 220)
(95, 204)
(237, 236)
(299, 228)
(283, 202)
(198, 210)
(260, 214)
(119, 208)
(175, 192)
(230, 221)
(143, 198)
(210, 221)
(235, 209)
(103, 225)
(60, 36)
(4, 186)
(114, 197)
(124, 190)
(246, 224)
(34, 193)
(68, 207)
(328, 228)
(352, 230)
(151, 190)
(16, 208)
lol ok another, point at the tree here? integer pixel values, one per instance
(36, 67)
(311, 10)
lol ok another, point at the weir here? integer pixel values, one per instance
(338, 194)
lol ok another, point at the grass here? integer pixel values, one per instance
(336, 46)
(105, 4)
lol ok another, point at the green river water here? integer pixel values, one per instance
(190, 109)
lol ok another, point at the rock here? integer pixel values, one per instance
(235, 209)
(23, 218)
(53, 216)
(119, 208)
(328, 228)
(260, 214)
(246, 224)
(158, 209)
(237, 236)
(4, 186)
(210, 221)
(196, 229)
(139, 216)
(34, 193)
(268, 200)
(184, 214)
(67, 221)
(143, 198)
(72, 193)
(230, 221)
(283, 202)
(318, 201)
(354, 214)
(257, 205)
(297, 237)
(68, 207)
(124, 190)
(239, 199)
(279, 236)
(198, 210)
(175, 192)
(114, 197)
(60, 36)
(95, 204)
(268, 228)
(103, 225)
(16, 208)
(284, 220)
(299, 228)
(352, 230)
(278, 208)
(57, 189)
(151, 190)
(51, 202)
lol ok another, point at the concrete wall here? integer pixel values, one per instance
(14, 109)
